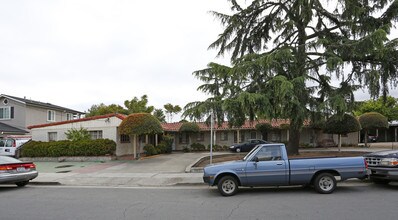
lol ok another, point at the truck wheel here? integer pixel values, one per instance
(228, 186)
(325, 183)
(22, 184)
(237, 150)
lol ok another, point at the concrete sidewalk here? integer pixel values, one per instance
(161, 170)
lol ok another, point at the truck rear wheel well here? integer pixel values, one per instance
(226, 174)
(332, 172)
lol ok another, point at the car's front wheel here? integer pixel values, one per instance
(228, 186)
(22, 184)
(238, 150)
(325, 183)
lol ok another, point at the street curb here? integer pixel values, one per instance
(191, 169)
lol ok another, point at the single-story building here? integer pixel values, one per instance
(224, 135)
(103, 126)
(106, 126)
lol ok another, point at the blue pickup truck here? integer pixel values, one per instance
(268, 165)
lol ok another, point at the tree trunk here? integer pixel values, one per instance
(366, 138)
(294, 142)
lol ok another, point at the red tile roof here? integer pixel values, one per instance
(248, 125)
(120, 116)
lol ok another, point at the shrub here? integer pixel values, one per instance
(161, 148)
(150, 150)
(98, 147)
(198, 147)
(140, 123)
(186, 149)
(189, 127)
(77, 135)
(167, 140)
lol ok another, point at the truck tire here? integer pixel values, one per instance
(325, 183)
(237, 150)
(228, 186)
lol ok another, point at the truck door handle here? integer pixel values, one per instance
(279, 164)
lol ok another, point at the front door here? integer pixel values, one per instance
(270, 169)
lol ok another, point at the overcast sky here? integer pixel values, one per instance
(76, 53)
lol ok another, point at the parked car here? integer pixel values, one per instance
(13, 171)
(372, 138)
(246, 146)
(268, 165)
(11, 145)
(383, 166)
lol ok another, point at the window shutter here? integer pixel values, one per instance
(12, 112)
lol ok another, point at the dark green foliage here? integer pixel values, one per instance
(77, 135)
(150, 150)
(284, 55)
(140, 123)
(102, 109)
(387, 106)
(159, 114)
(189, 127)
(167, 141)
(342, 124)
(98, 147)
(198, 147)
(263, 127)
(373, 120)
(138, 105)
(284, 126)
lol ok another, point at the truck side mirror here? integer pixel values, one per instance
(255, 159)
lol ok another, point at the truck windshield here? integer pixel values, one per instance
(251, 152)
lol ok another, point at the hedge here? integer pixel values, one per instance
(99, 147)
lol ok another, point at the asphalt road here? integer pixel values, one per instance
(58, 202)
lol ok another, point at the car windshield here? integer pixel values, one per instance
(250, 153)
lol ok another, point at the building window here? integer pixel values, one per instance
(50, 115)
(69, 116)
(201, 137)
(52, 136)
(224, 136)
(95, 135)
(5, 113)
(124, 138)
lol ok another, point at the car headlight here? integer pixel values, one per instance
(232, 146)
(389, 162)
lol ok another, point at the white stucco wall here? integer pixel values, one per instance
(108, 126)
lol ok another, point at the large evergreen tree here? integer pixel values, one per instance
(286, 54)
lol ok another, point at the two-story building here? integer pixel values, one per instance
(16, 114)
